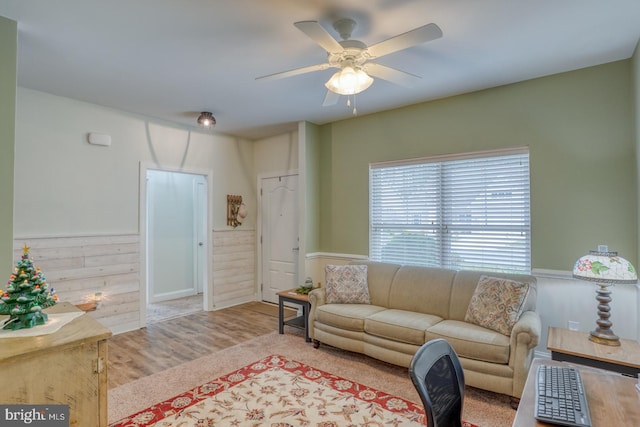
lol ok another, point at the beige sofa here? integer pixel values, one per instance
(412, 305)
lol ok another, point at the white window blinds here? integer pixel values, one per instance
(466, 212)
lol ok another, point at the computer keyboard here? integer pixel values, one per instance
(560, 397)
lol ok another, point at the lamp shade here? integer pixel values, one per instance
(349, 81)
(604, 267)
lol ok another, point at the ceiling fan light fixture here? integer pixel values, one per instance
(206, 120)
(349, 81)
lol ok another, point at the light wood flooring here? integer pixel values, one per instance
(162, 345)
(165, 310)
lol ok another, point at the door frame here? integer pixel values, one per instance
(207, 294)
(259, 242)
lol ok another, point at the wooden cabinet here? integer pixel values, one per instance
(66, 367)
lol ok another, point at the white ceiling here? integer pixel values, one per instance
(171, 59)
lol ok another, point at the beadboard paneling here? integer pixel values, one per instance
(234, 271)
(78, 267)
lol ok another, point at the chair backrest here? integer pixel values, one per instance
(436, 373)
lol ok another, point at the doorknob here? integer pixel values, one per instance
(200, 244)
(295, 249)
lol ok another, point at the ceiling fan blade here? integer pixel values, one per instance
(331, 98)
(392, 75)
(295, 72)
(318, 34)
(403, 41)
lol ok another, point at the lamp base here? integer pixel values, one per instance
(604, 337)
(603, 333)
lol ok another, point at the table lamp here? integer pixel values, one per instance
(605, 268)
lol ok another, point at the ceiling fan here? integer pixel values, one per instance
(354, 59)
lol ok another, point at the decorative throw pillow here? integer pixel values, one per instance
(346, 284)
(497, 304)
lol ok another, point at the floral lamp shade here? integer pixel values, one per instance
(604, 267)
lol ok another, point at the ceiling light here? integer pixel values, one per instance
(349, 81)
(206, 120)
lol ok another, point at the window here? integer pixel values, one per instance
(466, 212)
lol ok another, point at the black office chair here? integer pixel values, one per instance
(436, 373)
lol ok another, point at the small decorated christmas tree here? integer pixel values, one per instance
(26, 295)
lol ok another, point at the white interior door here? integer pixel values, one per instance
(279, 225)
(175, 218)
(200, 223)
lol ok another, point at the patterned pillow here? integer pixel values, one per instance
(497, 304)
(346, 284)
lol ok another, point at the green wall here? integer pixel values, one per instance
(578, 125)
(312, 187)
(8, 55)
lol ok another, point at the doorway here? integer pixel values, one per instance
(176, 242)
(279, 230)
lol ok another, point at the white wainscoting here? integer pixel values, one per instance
(79, 267)
(234, 267)
(561, 299)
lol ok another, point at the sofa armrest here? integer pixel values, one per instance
(317, 297)
(527, 330)
(525, 335)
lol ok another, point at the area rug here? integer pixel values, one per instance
(281, 392)
(481, 408)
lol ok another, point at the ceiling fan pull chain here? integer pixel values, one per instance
(355, 111)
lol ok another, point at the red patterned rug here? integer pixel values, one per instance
(280, 392)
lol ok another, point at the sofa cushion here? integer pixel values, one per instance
(347, 284)
(346, 316)
(472, 341)
(497, 303)
(422, 289)
(400, 325)
(379, 278)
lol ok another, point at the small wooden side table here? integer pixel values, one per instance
(302, 322)
(575, 347)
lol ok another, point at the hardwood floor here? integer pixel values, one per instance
(162, 345)
(165, 310)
